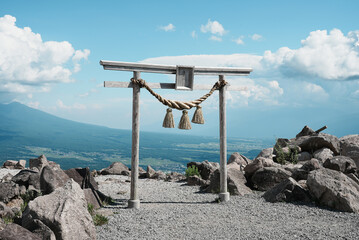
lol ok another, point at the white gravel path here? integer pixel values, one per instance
(172, 210)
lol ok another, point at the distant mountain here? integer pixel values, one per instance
(27, 133)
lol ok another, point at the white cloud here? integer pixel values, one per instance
(213, 27)
(28, 64)
(170, 27)
(215, 38)
(239, 41)
(256, 37)
(76, 106)
(332, 56)
(194, 34)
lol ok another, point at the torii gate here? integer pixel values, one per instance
(184, 81)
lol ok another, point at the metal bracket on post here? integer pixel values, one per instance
(184, 77)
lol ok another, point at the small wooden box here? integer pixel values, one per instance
(184, 78)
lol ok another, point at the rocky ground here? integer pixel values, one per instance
(174, 210)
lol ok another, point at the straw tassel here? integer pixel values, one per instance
(184, 122)
(198, 116)
(168, 122)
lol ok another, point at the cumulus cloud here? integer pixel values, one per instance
(215, 38)
(168, 28)
(27, 63)
(256, 37)
(239, 41)
(76, 106)
(213, 27)
(330, 56)
(194, 34)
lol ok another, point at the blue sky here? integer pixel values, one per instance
(304, 55)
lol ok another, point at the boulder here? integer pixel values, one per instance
(197, 181)
(302, 173)
(350, 147)
(341, 163)
(116, 168)
(27, 177)
(306, 131)
(9, 164)
(353, 177)
(240, 159)
(266, 153)
(64, 211)
(38, 163)
(304, 156)
(7, 178)
(8, 191)
(14, 231)
(280, 143)
(256, 164)
(205, 168)
(52, 177)
(334, 189)
(20, 164)
(159, 175)
(290, 167)
(83, 177)
(323, 154)
(175, 177)
(6, 211)
(267, 177)
(92, 198)
(316, 142)
(236, 182)
(287, 191)
(235, 166)
(150, 172)
(41, 230)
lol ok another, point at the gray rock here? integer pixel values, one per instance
(341, 163)
(6, 211)
(42, 231)
(302, 173)
(240, 159)
(159, 175)
(287, 191)
(266, 153)
(306, 131)
(353, 177)
(323, 154)
(16, 232)
(8, 191)
(314, 143)
(20, 164)
(83, 177)
(267, 177)
(205, 168)
(7, 178)
(64, 211)
(236, 182)
(280, 143)
(52, 177)
(38, 163)
(175, 177)
(92, 198)
(304, 156)
(350, 147)
(150, 172)
(27, 177)
(197, 181)
(9, 164)
(257, 164)
(116, 168)
(334, 189)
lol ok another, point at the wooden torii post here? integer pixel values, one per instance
(184, 81)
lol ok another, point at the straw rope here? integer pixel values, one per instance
(179, 104)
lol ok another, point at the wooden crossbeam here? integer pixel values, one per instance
(115, 84)
(168, 69)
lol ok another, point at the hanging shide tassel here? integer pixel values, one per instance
(198, 116)
(168, 122)
(184, 122)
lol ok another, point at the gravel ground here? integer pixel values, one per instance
(172, 210)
